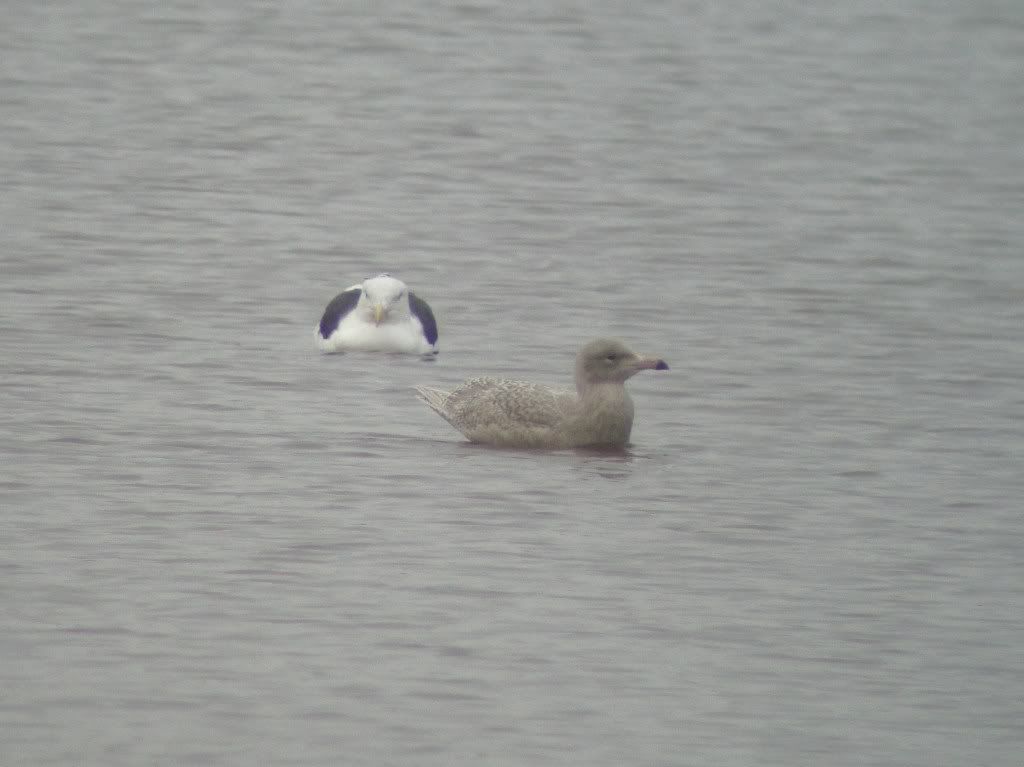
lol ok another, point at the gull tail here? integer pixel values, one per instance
(435, 399)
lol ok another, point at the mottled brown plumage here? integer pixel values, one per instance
(522, 414)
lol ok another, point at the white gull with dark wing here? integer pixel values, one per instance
(380, 315)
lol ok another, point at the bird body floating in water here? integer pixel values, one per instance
(380, 315)
(528, 415)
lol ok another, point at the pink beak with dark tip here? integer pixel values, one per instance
(651, 363)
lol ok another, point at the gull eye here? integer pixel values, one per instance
(611, 357)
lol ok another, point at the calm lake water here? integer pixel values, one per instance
(222, 548)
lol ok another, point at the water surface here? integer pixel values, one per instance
(220, 547)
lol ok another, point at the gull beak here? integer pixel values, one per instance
(650, 363)
(379, 313)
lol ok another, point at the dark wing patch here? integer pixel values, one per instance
(422, 312)
(341, 305)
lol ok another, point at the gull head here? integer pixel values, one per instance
(607, 360)
(384, 297)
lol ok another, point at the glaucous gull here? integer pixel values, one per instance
(521, 414)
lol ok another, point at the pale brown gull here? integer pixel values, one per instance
(522, 414)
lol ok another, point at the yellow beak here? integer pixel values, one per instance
(379, 312)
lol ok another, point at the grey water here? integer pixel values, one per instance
(220, 547)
